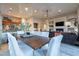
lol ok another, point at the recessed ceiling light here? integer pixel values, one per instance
(35, 11)
(26, 9)
(10, 8)
(59, 10)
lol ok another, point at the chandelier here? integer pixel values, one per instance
(47, 15)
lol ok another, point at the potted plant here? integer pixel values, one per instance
(28, 28)
(22, 26)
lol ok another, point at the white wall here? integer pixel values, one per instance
(39, 21)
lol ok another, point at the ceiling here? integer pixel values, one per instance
(18, 9)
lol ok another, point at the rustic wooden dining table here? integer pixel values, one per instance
(35, 42)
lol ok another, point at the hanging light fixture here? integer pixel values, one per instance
(47, 15)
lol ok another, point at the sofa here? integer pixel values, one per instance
(68, 38)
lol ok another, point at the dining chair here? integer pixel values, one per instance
(45, 34)
(53, 47)
(20, 32)
(27, 50)
(13, 46)
(4, 37)
(32, 32)
(18, 48)
(38, 33)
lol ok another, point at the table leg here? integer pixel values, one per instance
(33, 52)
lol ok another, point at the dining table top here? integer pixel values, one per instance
(35, 41)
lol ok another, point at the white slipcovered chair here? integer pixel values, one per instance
(18, 48)
(27, 50)
(53, 47)
(45, 34)
(20, 32)
(32, 32)
(38, 33)
(13, 46)
(4, 37)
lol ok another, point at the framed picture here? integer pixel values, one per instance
(35, 25)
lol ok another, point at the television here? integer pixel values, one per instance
(59, 23)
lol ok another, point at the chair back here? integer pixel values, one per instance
(4, 37)
(38, 33)
(45, 34)
(13, 46)
(54, 45)
(20, 32)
